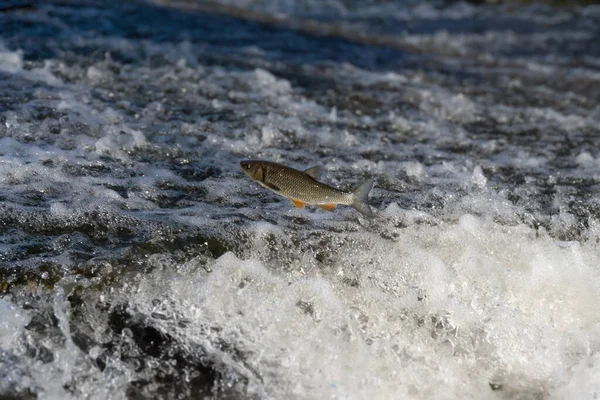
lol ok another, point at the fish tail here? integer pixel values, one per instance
(361, 195)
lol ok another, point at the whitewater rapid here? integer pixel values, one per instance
(137, 261)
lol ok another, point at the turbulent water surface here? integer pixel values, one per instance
(137, 261)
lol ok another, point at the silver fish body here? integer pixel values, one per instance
(302, 187)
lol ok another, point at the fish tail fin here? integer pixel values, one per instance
(361, 195)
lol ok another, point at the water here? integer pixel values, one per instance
(137, 261)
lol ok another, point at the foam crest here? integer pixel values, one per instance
(13, 321)
(10, 61)
(483, 302)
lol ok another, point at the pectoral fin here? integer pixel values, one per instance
(298, 203)
(327, 207)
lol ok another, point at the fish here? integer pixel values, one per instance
(302, 187)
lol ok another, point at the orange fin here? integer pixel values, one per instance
(328, 207)
(298, 203)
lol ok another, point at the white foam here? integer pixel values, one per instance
(119, 141)
(478, 178)
(586, 160)
(585, 381)
(509, 307)
(13, 321)
(10, 61)
(415, 170)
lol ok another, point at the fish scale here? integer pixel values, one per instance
(298, 185)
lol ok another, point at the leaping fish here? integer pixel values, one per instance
(302, 187)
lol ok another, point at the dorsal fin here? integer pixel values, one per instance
(314, 172)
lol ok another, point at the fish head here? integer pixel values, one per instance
(254, 169)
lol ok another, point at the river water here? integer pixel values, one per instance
(137, 261)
